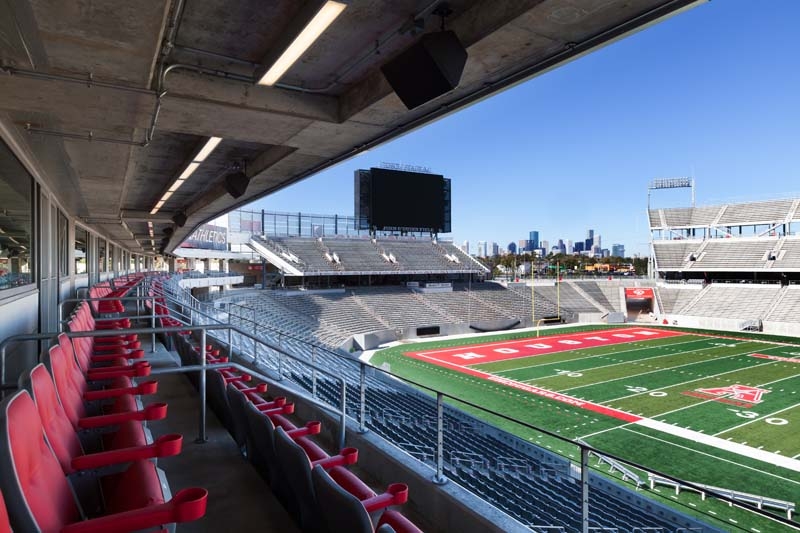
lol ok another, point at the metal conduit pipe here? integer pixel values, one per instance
(89, 81)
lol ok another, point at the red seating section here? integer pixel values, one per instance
(104, 290)
(38, 494)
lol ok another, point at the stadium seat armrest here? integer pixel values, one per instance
(185, 506)
(347, 456)
(147, 387)
(281, 410)
(311, 428)
(263, 404)
(164, 446)
(138, 369)
(396, 494)
(154, 411)
(260, 388)
(235, 378)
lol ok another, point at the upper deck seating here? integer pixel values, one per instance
(682, 217)
(755, 212)
(38, 495)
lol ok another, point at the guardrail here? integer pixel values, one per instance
(202, 368)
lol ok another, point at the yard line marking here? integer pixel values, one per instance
(534, 365)
(722, 444)
(757, 419)
(682, 382)
(712, 456)
(662, 370)
(648, 359)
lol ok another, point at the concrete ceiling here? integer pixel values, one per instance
(151, 81)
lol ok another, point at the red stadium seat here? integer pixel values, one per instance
(38, 495)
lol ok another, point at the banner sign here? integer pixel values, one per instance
(635, 293)
(208, 237)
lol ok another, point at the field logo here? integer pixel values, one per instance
(740, 395)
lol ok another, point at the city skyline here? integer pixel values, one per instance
(542, 247)
(578, 145)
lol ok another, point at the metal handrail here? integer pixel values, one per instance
(202, 329)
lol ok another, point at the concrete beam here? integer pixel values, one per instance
(187, 84)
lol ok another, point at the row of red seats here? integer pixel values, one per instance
(104, 290)
(316, 488)
(60, 465)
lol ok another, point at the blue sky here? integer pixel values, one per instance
(712, 92)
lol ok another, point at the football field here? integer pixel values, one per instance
(711, 409)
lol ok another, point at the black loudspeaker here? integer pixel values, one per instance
(428, 69)
(167, 231)
(179, 219)
(236, 183)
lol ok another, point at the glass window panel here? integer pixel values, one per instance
(102, 260)
(81, 247)
(16, 221)
(63, 246)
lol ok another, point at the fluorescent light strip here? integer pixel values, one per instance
(204, 152)
(302, 42)
(207, 149)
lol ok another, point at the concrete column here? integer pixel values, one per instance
(190, 263)
(206, 265)
(225, 265)
(171, 266)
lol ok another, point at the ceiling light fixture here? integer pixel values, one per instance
(201, 156)
(316, 26)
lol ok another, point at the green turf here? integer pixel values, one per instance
(649, 377)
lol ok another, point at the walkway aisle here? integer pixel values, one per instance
(238, 500)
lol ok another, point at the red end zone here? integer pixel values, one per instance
(459, 358)
(500, 351)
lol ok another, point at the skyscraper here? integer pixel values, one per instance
(618, 250)
(534, 240)
(524, 245)
(512, 248)
(482, 249)
(495, 250)
(465, 247)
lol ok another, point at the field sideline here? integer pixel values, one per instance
(711, 409)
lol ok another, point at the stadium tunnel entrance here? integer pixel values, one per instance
(638, 301)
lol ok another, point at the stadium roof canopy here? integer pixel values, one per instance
(151, 82)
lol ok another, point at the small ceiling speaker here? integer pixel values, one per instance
(179, 219)
(427, 69)
(236, 183)
(167, 231)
